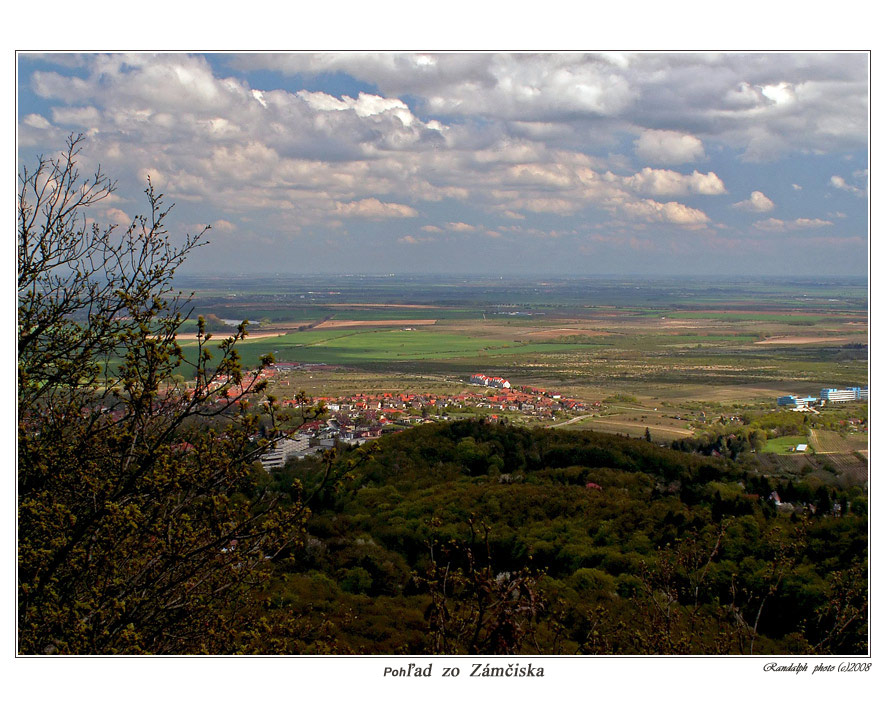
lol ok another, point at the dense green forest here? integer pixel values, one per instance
(480, 537)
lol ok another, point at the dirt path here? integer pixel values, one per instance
(331, 324)
(191, 336)
(569, 422)
(679, 432)
(625, 424)
(802, 340)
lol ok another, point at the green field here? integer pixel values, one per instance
(352, 347)
(782, 446)
(682, 346)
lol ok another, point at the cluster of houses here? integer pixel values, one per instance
(413, 407)
(359, 418)
(490, 381)
(228, 389)
(788, 507)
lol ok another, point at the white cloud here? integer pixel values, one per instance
(779, 226)
(460, 227)
(797, 187)
(533, 138)
(550, 205)
(670, 212)
(668, 147)
(840, 183)
(784, 101)
(810, 223)
(781, 93)
(412, 240)
(667, 182)
(35, 120)
(757, 202)
(85, 117)
(372, 208)
(118, 217)
(223, 225)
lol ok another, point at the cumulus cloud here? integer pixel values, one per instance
(840, 183)
(34, 120)
(779, 226)
(669, 212)
(374, 209)
(412, 240)
(527, 87)
(762, 104)
(223, 225)
(460, 226)
(757, 202)
(537, 139)
(551, 205)
(118, 217)
(668, 147)
(667, 182)
(80, 116)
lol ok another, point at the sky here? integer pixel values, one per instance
(486, 163)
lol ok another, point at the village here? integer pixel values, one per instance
(359, 418)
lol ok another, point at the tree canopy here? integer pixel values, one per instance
(138, 526)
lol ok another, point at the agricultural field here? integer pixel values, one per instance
(679, 359)
(685, 340)
(828, 442)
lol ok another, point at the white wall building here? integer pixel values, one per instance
(284, 450)
(844, 394)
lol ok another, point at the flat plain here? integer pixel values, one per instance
(668, 355)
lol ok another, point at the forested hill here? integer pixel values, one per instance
(486, 538)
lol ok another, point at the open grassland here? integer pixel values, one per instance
(785, 445)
